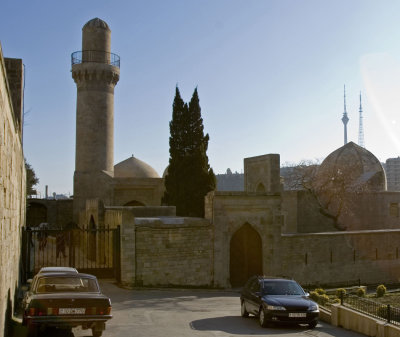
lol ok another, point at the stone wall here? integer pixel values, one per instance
(174, 253)
(13, 192)
(57, 213)
(339, 258)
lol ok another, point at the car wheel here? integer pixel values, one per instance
(243, 311)
(97, 333)
(262, 318)
(312, 324)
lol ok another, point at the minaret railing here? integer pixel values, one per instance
(95, 56)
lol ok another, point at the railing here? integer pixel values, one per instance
(95, 56)
(372, 308)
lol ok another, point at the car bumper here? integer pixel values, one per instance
(283, 317)
(67, 321)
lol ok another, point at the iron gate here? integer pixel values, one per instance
(92, 251)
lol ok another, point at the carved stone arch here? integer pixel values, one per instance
(245, 255)
(260, 188)
(134, 203)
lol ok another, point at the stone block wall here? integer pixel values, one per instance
(339, 258)
(12, 196)
(174, 254)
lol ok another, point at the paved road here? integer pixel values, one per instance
(188, 313)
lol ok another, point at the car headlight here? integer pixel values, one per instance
(313, 307)
(275, 307)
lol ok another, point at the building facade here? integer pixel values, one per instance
(13, 184)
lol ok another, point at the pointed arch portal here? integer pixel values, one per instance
(245, 255)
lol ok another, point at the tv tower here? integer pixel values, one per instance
(345, 119)
(361, 128)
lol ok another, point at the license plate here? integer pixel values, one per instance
(297, 314)
(71, 311)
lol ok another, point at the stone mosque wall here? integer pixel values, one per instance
(12, 183)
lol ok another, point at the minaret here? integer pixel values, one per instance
(95, 71)
(361, 127)
(345, 119)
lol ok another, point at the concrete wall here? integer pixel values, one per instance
(13, 190)
(358, 322)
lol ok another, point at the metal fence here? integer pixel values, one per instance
(94, 251)
(372, 308)
(95, 56)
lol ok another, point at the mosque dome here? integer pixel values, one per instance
(165, 172)
(134, 168)
(96, 23)
(363, 170)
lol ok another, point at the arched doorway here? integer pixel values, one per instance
(134, 203)
(245, 255)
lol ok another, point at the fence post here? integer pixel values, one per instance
(388, 313)
(341, 297)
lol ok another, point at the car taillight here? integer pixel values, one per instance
(104, 311)
(37, 312)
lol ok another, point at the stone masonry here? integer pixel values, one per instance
(12, 184)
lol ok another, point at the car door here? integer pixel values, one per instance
(254, 296)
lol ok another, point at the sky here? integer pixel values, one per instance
(270, 76)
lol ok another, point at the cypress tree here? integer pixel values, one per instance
(189, 176)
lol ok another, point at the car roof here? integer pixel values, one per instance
(66, 274)
(57, 269)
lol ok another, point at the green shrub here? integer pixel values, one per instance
(340, 292)
(380, 290)
(336, 300)
(314, 296)
(323, 299)
(360, 292)
(320, 291)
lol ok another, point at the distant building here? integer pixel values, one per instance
(392, 168)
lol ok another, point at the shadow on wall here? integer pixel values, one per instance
(8, 317)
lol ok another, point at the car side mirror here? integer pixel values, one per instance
(307, 294)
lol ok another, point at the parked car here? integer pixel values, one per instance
(65, 300)
(278, 300)
(57, 270)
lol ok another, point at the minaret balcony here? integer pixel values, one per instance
(95, 56)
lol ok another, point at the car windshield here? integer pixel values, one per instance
(66, 284)
(281, 287)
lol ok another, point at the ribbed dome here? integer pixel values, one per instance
(134, 168)
(363, 168)
(96, 23)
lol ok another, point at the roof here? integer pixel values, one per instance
(134, 168)
(356, 162)
(96, 23)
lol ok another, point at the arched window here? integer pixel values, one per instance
(260, 188)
